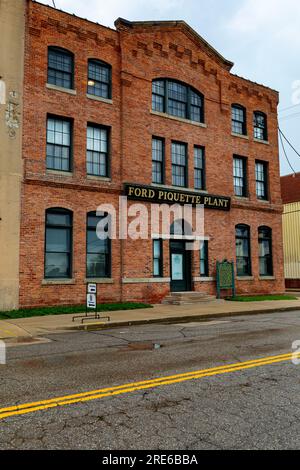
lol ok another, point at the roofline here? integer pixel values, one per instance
(290, 174)
(132, 24)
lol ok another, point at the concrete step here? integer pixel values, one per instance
(187, 298)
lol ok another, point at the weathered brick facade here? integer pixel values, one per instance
(138, 53)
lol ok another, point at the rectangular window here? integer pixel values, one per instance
(158, 160)
(199, 168)
(58, 244)
(204, 267)
(158, 96)
(157, 258)
(261, 172)
(179, 164)
(98, 251)
(265, 251)
(238, 119)
(97, 151)
(99, 79)
(260, 126)
(177, 99)
(59, 137)
(60, 68)
(243, 259)
(240, 176)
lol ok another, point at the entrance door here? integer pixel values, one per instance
(180, 264)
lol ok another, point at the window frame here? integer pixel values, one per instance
(161, 263)
(244, 161)
(108, 154)
(108, 261)
(163, 172)
(264, 128)
(265, 181)
(205, 246)
(188, 102)
(59, 210)
(203, 169)
(244, 122)
(71, 123)
(270, 240)
(101, 63)
(69, 54)
(237, 237)
(175, 142)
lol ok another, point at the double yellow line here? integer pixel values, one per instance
(136, 386)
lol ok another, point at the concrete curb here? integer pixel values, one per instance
(178, 319)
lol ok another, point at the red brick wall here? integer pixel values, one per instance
(290, 188)
(137, 56)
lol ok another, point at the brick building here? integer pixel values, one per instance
(290, 191)
(150, 104)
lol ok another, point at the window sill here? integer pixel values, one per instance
(241, 198)
(245, 278)
(99, 280)
(98, 98)
(267, 278)
(204, 279)
(151, 280)
(99, 178)
(62, 89)
(263, 201)
(58, 282)
(264, 142)
(241, 136)
(180, 188)
(174, 118)
(59, 173)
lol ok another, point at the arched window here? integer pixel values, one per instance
(260, 126)
(60, 67)
(238, 119)
(98, 251)
(58, 244)
(99, 79)
(243, 258)
(177, 99)
(265, 251)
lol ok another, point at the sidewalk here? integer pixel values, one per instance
(24, 329)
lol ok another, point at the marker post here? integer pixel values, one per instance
(91, 304)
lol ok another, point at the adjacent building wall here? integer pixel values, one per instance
(12, 19)
(291, 245)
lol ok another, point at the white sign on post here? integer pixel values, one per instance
(92, 288)
(91, 301)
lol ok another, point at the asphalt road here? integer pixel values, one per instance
(256, 408)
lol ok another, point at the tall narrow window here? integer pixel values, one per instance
(243, 259)
(98, 250)
(157, 160)
(238, 119)
(177, 99)
(58, 244)
(199, 168)
(60, 67)
(204, 267)
(261, 173)
(59, 141)
(99, 79)
(157, 258)
(240, 176)
(179, 164)
(97, 151)
(265, 251)
(260, 126)
(158, 96)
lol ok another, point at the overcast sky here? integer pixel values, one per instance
(260, 36)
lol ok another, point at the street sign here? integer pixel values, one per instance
(91, 301)
(92, 289)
